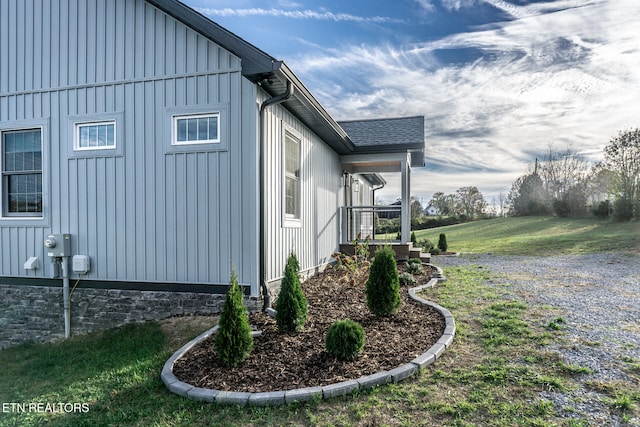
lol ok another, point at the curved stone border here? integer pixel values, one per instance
(320, 392)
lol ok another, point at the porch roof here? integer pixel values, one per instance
(390, 135)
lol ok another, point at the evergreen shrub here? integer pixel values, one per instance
(291, 306)
(442, 242)
(602, 211)
(622, 209)
(383, 286)
(345, 339)
(233, 342)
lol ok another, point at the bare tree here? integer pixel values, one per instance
(562, 170)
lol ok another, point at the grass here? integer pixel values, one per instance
(490, 376)
(535, 235)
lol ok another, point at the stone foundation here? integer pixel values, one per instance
(35, 313)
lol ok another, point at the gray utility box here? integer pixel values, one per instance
(58, 245)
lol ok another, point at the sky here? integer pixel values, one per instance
(497, 81)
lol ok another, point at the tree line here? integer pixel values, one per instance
(563, 183)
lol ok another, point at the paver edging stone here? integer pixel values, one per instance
(322, 392)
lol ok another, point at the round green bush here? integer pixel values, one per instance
(345, 339)
(291, 307)
(383, 286)
(233, 342)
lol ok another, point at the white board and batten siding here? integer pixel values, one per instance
(147, 211)
(315, 238)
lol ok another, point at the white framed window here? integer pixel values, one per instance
(196, 129)
(21, 153)
(95, 136)
(292, 182)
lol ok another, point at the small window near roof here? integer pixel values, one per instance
(196, 129)
(95, 136)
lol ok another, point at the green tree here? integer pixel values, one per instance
(383, 285)
(442, 202)
(528, 197)
(291, 307)
(622, 157)
(233, 342)
(442, 242)
(470, 202)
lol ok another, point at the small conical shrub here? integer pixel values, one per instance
(383, 286)
(233, 342)
(413, 238)
(345, 339)
(442, 242)
(291, 307)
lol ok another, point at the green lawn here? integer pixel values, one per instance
(491, 376)
(537, 236)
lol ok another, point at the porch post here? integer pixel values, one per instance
(405, 229)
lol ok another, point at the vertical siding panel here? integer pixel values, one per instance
(170, 47)
(139, 171)
(29, 36)
(120, 219)
(159, 47)
(170, 219)
(213, 236)
(4, 48)
(150, 159)
(72, 66)
(102, 43)
(139, 41)
(190, 242)
(107, 61)
(111, 227)
(20, 51)
(181, 214)
(121, 25)
(44, 68)
(85, 41)
(149, 42)
(52, 75)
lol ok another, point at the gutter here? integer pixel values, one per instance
(278, 99)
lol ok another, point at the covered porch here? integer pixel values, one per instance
(383, 146)
(361, 220)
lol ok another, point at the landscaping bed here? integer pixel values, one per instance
(297, 360)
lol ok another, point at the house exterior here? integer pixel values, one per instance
(166, 150)
(431, 210)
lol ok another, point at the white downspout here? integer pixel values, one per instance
(65, 296)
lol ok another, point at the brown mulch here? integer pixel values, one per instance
(297, 360)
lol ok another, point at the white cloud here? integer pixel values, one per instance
(296, 14)
(565, 72)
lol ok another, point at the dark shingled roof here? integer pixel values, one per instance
(394, 135)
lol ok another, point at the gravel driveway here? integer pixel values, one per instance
(598, 296)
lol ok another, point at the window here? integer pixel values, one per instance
(291, 177)
(95, 136)
(196, 129)
(22, 173)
